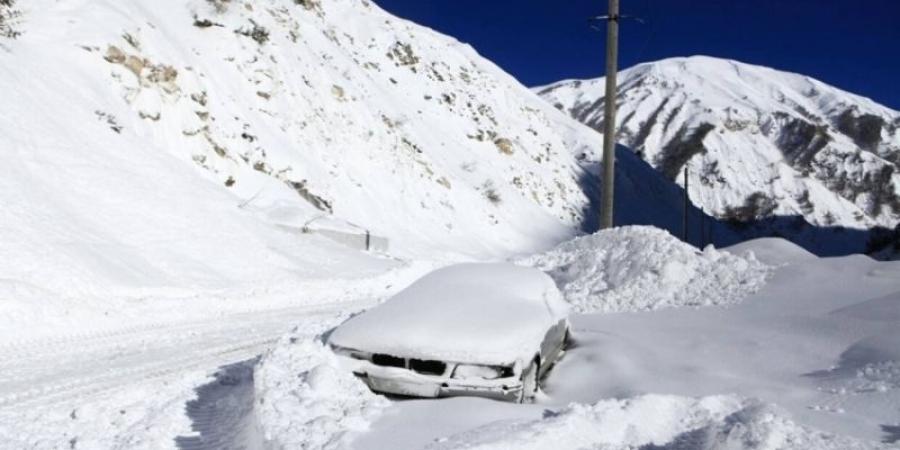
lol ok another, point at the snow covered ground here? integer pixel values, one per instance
(651, 422)
(808, 361)
(804, 342)
(127, 389)
(143, 378)
(760, 346)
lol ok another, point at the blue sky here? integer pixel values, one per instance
(851, 44)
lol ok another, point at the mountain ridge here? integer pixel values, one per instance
(761, 142)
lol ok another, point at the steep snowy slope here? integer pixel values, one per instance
(758, 142)
(182, 145)
(367, 117)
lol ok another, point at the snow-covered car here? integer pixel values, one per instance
(489, 330)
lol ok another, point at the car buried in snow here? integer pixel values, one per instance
(479, 329)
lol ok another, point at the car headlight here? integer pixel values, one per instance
(349, 353)
(478, 371)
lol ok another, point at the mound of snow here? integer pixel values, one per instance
(657, 422)
(772, 250)
(643, 268)
(305, 400)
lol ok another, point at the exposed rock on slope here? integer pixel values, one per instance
(7, 16)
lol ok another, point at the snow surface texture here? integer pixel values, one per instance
(643, 268)
(654, 422)
(306, 400)
(292, 109)
(147, 387)
(758, 142)
(817, 345)
(480, 313)
(177, 150)
(145, 382)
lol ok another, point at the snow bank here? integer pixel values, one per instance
(872, 364)
(771, 250)
(642, 268)
(305, 400)
(654, 421)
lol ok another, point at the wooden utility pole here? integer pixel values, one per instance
(609, 117)
(702, 223)
(687, 202)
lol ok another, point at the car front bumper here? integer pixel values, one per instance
(397, 381)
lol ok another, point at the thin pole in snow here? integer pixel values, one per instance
(687, 202)
(609, 117)
(702, 223)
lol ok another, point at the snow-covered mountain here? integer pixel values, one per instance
(164, 160)
(758, 142)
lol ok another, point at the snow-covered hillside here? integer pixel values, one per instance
(358, 114)
(178, 148)
(157, 125)
(758, 142)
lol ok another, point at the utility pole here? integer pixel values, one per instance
(687, 202)
(609, 116)
(702, 223)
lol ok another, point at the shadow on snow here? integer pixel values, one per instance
(645, 197)
(222, 413)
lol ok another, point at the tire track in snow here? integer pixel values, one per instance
(53, 344)
(92, 385)
(53, 357)
(66, 373)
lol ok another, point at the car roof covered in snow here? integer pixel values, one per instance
(483, 313)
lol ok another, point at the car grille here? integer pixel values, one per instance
(427, 367)
(423, 366)
(381, 359)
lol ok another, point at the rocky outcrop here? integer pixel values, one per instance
(864, 129)
(686, 144)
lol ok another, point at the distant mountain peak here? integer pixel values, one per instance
(750, 132)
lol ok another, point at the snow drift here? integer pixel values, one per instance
(655, 422)
(305, 400)
(641, 268)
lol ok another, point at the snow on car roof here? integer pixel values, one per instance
(484, 313)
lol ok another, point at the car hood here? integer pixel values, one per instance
(473, 313)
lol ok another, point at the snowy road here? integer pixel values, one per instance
(138, 386)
